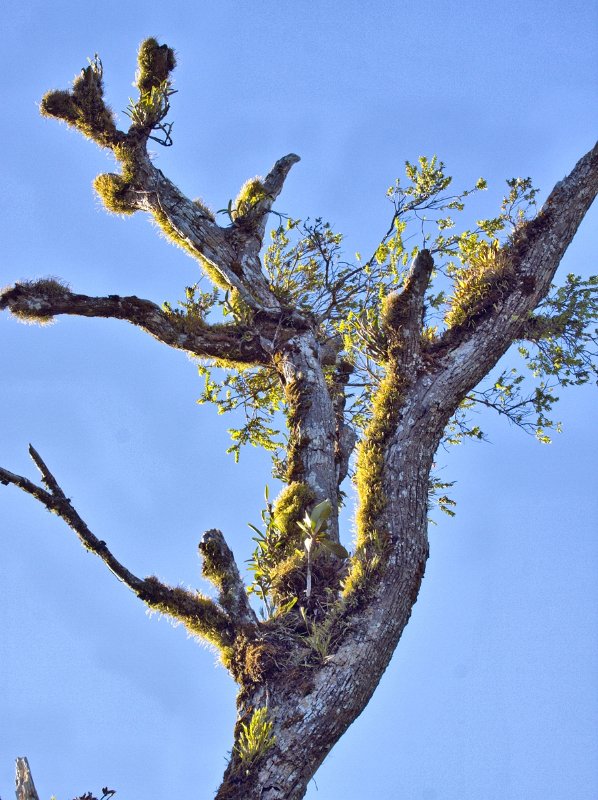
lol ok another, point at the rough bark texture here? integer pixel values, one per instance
(314, 677)
(25, 788)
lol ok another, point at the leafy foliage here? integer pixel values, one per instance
(307, 270)
(255, 739)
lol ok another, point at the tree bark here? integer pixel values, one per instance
(311, 670)
(25, 788)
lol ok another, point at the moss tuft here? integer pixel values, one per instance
(155, 62)
(289, 509)
(112, 190)
(205, 210)
(480, 284)
(200, 615)
(250, 194)
(83, 107)
(251, 661)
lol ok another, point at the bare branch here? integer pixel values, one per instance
(25, 788)
(42, 300)
(220, 568)
(200, 615)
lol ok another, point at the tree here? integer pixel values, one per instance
(383, 358)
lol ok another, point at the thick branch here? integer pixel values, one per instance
(25, 788)
(219, 567)
(200, 615)
(403, 312)
(44, 299)
(272, 187)
(468, 352)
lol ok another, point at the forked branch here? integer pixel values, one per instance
(200, 615)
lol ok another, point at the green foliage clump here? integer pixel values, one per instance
(255, 739)
(278, 554)
(483, 280)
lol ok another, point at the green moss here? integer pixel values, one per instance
(371, 539)
(250, 194)
(51, 288)
(155, 62)
(251, 661)
(83, 107)
(482, 282)
(289, 509)
(200, 615)
(112, 190)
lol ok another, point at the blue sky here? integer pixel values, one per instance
(492, 692)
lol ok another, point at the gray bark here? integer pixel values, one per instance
(312, 695)
(25, 788)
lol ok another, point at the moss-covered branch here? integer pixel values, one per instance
(220, 568)
(40, 301)
(200, 615)
(229, 256)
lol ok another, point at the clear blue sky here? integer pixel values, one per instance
(492, 692)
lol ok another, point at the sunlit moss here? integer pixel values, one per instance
(205, 210)
(83, 106)
(289, 509)
(200, 615)
(250, 194)
(112, 190)
(482, 281)
(371, 539)
(155, 62)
